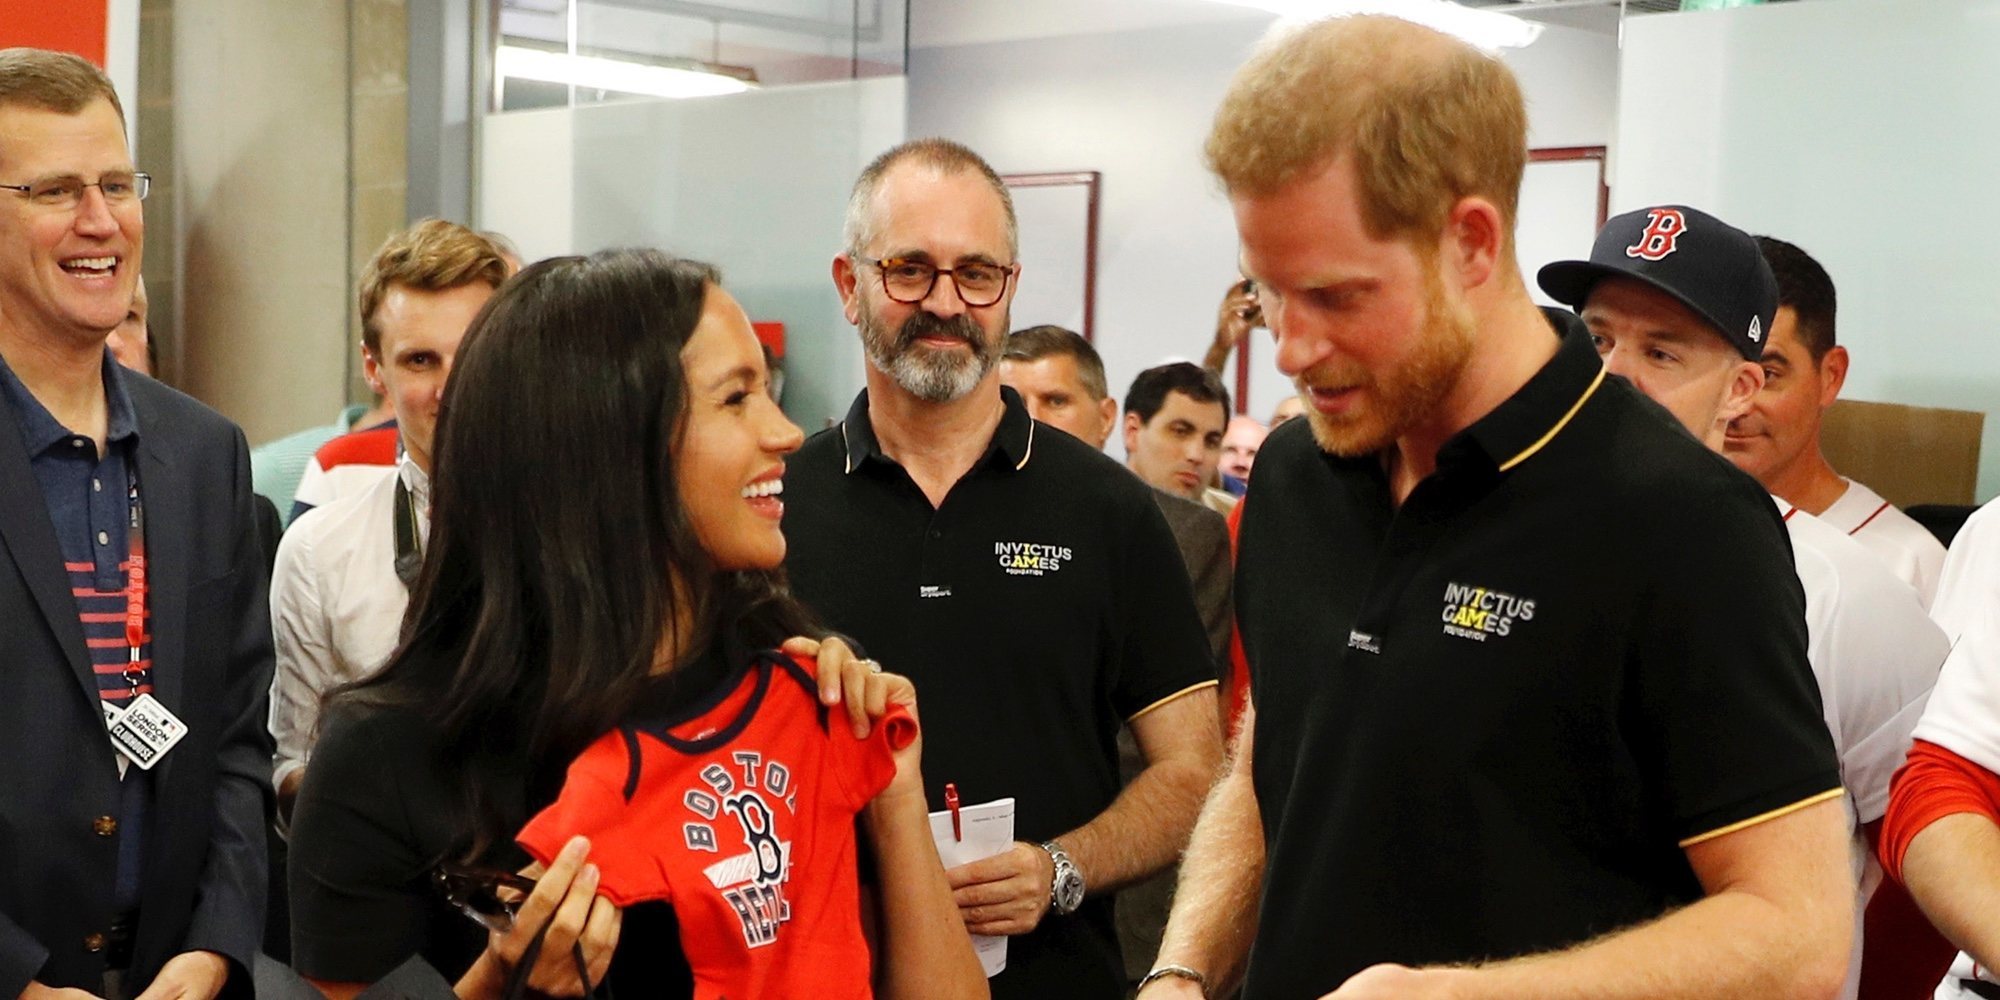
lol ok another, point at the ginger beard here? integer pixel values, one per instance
(1407, 393)
(934, 375)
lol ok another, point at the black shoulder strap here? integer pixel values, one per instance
(409, 553)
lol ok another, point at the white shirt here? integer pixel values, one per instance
(1969, 585)
(1912, 552)
(336, 603)
(1964, 718)
(1875, 653)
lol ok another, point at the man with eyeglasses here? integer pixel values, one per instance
(1027, 583)
(135, 648)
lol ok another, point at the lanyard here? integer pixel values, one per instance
(135, 578)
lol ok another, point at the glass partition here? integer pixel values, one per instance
(755, 183)
(562, 53)
(752, 177)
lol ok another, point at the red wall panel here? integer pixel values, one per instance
(67, 25)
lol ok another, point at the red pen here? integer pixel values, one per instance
(951, 803)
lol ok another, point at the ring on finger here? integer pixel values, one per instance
(873, 667)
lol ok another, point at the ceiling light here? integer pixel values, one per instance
(1487, 29)
(623, 76)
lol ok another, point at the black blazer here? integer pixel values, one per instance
(204, 866)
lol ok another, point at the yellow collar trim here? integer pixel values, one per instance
(1560, 424)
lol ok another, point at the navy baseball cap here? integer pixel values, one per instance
(1706, 264)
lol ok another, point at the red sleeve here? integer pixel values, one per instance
(867, 766)
(864, 767)
(1932, 784)
(1239, 662)
(593, 804)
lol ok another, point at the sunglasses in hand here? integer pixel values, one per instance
(489, 896)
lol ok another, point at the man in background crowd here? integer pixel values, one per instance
(343, 573)
(131, 343)
(1293, 405)
(1174, 418)
(1060, 378)
(333, 463)
(1778, 439)
(1239, 449)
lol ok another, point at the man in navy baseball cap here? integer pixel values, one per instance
(1679, 303)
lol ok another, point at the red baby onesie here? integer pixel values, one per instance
(743, 819)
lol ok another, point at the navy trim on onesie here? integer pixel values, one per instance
(763, 661)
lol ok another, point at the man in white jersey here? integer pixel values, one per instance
(1678, 303)
(1969, 584)
(1778, 439)
(1943, 825)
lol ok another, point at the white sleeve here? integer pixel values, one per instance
(1964, 712)
(1882, 653)
(303, 639)
(1969, 584)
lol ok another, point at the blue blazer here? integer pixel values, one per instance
(204, 880)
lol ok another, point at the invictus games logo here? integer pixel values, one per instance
(1477, 612)
(1030, 559)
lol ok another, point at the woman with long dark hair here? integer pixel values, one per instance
(581, 657)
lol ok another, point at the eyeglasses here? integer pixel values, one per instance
(475, 892)
(63, 194)
(910, 281)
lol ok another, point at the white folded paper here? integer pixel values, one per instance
(985, 830)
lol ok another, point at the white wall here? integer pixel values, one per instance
(755, 183)
(1860, 130)
(1136, 106)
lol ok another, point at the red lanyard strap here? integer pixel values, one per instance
(135, 578)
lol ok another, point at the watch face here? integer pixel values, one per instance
(1069, 891)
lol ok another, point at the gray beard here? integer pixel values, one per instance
(932, 376)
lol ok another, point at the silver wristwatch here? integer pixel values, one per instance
(1066, 888)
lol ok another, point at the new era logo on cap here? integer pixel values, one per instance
(1709, 266)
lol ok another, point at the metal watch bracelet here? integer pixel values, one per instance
(1066, 888)
(1176, 972)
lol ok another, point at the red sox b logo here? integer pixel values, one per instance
(758, 836)
(1664, 227)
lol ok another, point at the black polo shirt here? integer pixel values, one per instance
(1039, 607)
(1490, 719)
